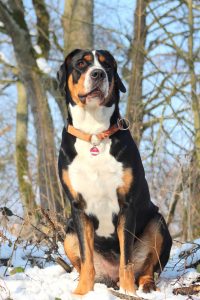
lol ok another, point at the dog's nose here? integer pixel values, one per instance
(98, 74)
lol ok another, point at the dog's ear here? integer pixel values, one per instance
(62, 78)
(119, 83)
(118, 80)
(63, 71)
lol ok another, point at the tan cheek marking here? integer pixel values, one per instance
(76, 89)
(79, 86)
(88, 57)
(66, 180)
(72, 89)
(127, 182)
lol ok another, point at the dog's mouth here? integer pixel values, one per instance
(94, 93)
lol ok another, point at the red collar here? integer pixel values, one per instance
(88, 137)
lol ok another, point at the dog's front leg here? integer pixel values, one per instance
(85, 232)
(126, 268)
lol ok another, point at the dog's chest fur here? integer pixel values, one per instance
(96, 178)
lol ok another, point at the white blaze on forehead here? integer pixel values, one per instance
(96, 61)
(88, 81)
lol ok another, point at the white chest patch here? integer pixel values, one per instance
(96, 178)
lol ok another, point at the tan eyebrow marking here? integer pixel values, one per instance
(88, 57)
(102, 58)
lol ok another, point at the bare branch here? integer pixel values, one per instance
(43, 20)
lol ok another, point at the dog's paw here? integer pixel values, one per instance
(148, 287)
(84, 286)
(126, 292)
(82, 291)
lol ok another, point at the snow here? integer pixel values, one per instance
(4, 58)
(48, 281)
(26, 179)
(43, 65)
(38, 49)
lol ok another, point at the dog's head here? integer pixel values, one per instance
(90, 78)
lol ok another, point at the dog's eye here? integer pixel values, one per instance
(81, 64)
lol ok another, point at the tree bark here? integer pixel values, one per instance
(42, 26)
(187, 290)
(135, 110)
(24, 181)
(51, 85)
(78, 25)
(195, 162)
(16, 27)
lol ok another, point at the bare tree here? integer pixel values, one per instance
(78, 25)
(135, 109)
(175, 70)
(13, 17)
(23, 174)
(195, 105)
(43, 19)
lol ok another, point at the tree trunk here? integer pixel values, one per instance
(42, 26)
(16, 27)
(78, 25)
(195, 163)
(135, 112)
(24, 181)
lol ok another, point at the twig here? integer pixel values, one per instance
(63, 264)
(187, 290)
(58, 260)
(45, 214)
(193, 265)
(13, 250)
(124, 297)
(4, 130)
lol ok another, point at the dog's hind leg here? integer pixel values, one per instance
(149, 251)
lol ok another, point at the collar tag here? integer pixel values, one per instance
(95, 141)
(94, 151)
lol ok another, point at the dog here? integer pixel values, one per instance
(115, 234)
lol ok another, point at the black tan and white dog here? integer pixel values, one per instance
(116, 234)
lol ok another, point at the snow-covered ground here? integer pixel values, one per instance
(48, 281)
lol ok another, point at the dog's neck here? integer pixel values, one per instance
(93, 120)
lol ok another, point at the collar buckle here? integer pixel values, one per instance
(123, 124)
(95, 141)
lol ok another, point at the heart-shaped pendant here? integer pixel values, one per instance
(94, 151)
